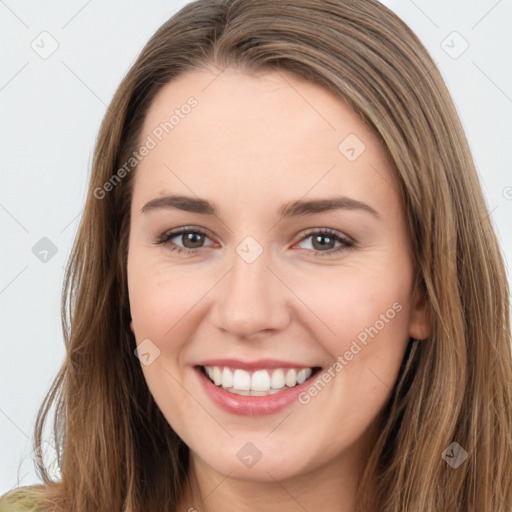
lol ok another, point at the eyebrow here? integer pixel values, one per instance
(291, 209)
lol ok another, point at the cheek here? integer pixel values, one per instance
(360, 317)
(160, 297)
(164, 307)
(348, 304)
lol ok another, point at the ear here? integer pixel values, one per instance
(131, 326)
(420, 326)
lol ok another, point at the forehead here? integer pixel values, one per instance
(257, 132)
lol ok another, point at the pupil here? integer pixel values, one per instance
(190, 238)
(318, 237)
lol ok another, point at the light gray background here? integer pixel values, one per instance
(51, 109)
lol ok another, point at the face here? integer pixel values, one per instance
(253, 277)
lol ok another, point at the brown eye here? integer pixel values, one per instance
(319, 242)
(323, 241)
(191, 239)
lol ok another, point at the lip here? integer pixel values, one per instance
(259, 364)
(251, 405)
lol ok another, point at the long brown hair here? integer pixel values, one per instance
(117, 452)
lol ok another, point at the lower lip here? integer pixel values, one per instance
(251, 405)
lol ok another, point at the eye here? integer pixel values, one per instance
(192, 238)
(319, 243)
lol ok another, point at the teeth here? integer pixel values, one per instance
(260, 382)
(277, 379)
(241, 380)
(291, 378)
(227, 378)
(302, 375)
(217, 378)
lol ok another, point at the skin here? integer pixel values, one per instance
(253, 143)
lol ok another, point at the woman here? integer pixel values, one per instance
(285, 289)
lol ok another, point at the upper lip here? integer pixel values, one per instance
(252, 365)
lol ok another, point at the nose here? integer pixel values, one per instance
(251, 299)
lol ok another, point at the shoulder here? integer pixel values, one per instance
(21, 499)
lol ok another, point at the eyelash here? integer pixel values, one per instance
(165, 237)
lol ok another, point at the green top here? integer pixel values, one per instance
(20, 499)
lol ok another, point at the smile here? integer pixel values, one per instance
(261, 382)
